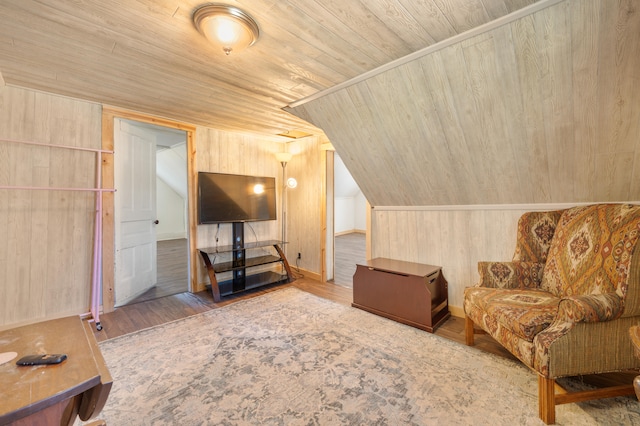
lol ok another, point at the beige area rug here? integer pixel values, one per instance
(291, 358)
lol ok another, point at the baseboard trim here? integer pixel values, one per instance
(352, 231)
(456, 311)
(305, 273)
(170, 236)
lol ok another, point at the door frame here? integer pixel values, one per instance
(327, 237)
(109, 114)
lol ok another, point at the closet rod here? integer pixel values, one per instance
(78, 148)
(53, 188)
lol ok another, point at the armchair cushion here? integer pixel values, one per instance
(515, 274)
(524, 313)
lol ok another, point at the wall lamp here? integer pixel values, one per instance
(226, 26)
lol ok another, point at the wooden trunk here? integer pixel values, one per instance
(411, 293)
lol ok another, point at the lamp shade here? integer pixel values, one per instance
(284, 157)
(226, 26)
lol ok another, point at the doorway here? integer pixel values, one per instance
(151, 212)
(349, 224)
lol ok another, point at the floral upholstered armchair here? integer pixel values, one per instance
(565, 304)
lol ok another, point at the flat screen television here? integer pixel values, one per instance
(224, 198)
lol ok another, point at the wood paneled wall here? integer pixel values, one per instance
(224, 152)
(235, 153)
(305, 211)
(543, 109)
(454, 239)
(46, 237)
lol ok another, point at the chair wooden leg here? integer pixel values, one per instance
(546, 400)
(468, 331)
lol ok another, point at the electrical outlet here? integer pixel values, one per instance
(299, 256)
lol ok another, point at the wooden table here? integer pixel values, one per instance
(411, 293)
(53, 394)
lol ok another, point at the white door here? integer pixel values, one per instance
(135, 211)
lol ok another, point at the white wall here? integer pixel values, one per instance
(350, 214)
(360, 212)
(171, 213)
(344, 215)
(350, 204)
(171, 186)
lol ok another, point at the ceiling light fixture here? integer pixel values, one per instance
(226, 26)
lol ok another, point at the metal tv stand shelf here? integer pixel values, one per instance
(243, 277)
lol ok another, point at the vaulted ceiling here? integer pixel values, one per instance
(538, 108)
(146, 55)
(428, 102)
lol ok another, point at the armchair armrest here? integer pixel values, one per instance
(515, 274)
(590, 308)
(571, 311)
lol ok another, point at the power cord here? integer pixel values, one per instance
(299, 274)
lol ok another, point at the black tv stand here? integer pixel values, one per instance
(245, 272)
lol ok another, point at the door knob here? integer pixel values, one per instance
(156, 221)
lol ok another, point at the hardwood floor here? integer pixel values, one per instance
(349, 250)
(173, 274)
(134, 317)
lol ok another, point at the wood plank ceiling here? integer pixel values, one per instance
(543, 109)
(147, 56)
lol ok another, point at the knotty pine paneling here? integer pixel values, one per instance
(46, 237)
(542, 109)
